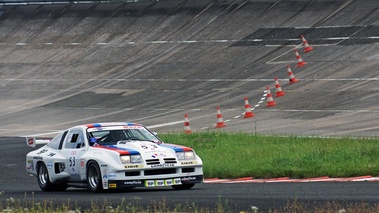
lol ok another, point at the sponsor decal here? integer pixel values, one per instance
(82, 163)
(49, 165)
(159, 182)
(37, 158)
(111, 176)
(177, 181)
(112, 185)
(149, 183)
(132, 127)
(133, 182)
(73, 153)
(169, 182)
(154, 155)
(51, 154)
(189, 163)
(104, 171)
(112, 126)
(166, 182)
(186, 179)
(133, 166)
(162, 165)
(30, 165)
(152, 146)
(42, 151)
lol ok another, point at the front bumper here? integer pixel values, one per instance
(118, 184)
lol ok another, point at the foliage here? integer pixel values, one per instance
(234, 155)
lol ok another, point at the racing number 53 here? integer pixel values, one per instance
(71, 160)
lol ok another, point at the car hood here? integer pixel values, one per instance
(146, 148)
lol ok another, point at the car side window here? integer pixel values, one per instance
(55, 142)
(75, 140)
(136, 134)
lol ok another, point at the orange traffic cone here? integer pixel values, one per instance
(307, 47)
(291, 77)
(278, 88)
(270, 99)
(300, 61)
(187, 128)
(248, 112)
(220, 122)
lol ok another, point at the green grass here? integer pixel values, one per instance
(234, 155)
(29, 205)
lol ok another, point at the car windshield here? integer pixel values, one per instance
(113, 134)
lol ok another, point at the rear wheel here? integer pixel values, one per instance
(183, 187)
(44, 181)
(94, 179)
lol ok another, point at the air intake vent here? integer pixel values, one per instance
(59, 167)
(160, 171)
(133, 173)
(152, 161)
(188, 170)
(170, 160)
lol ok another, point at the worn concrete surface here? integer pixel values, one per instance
(152, 62)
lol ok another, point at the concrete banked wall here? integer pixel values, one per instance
(152, 62)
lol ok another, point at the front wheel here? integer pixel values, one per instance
(94, 179)
(183, 187)
(44, 181)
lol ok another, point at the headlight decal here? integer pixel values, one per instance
(136, 158)
(125, 159)
(186, 155)
(180, 155)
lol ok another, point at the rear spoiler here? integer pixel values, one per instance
(32, 141)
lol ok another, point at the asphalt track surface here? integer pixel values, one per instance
(152, 62)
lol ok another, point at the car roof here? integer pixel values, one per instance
(111, 124)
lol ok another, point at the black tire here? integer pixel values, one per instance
(183, 187)
(44, 181)
(94, 180)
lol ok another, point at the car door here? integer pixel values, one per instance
(73, 148)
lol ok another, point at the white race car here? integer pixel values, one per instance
(112, 156)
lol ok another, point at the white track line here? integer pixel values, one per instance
(278, 180)
(189, 80)
(257, 40)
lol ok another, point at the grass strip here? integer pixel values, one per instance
(235, 155)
